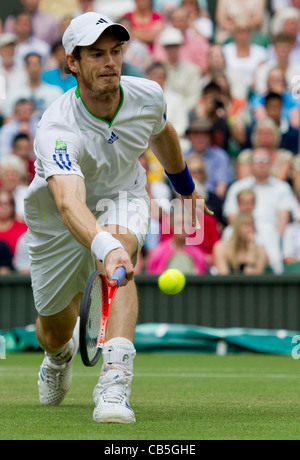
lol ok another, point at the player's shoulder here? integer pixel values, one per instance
(60, 111)
(142, 86)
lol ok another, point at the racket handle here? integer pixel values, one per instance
(119, 275)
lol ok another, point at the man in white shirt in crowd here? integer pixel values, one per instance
(275, 204)
(183, 76)
(14, 75)
(45, 27)
(40, 93)
(22, 121)
(27, 42)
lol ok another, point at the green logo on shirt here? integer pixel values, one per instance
(61, 156)
(60, 145)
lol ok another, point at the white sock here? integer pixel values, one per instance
(118, 353)
(64, 354)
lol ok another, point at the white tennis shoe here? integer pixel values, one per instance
(55, 379)
(111, 398)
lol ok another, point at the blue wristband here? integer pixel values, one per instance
(182, 182)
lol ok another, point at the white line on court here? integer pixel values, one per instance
(12, 372)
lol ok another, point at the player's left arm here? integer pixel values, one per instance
(166, 147)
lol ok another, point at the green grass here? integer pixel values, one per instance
(175, 397)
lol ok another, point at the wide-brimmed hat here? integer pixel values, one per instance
(171, 36)
(200, 125)
(7, 39)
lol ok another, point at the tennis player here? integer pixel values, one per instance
(87, 148)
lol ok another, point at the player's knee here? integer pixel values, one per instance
(57, 339)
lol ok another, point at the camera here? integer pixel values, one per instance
(219, 104)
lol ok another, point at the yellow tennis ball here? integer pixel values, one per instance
(171, 281)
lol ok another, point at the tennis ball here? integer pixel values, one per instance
(171, 281)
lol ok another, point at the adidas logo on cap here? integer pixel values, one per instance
(101, 21)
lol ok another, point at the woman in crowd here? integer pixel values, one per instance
(176, 251)
(10, 228)
(242, 56)
(276, 83)
(146, 22)
(240, 254)
(229, 10)
(13, 176)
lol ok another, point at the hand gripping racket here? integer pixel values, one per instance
(95, 307)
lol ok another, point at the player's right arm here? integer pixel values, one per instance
(58, 149)
(70, 196)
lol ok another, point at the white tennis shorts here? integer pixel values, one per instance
(59, 264)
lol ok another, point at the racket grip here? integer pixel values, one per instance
(119, 275)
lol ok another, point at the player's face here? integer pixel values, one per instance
(99, 68)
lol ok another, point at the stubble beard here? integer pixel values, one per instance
(101, 93)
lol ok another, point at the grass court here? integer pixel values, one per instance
(174, 396)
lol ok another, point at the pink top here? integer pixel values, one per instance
(160, 257)
(12, 234)
(155, 16)
(136, 25)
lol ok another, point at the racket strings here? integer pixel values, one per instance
(94, 312)
(92, 331)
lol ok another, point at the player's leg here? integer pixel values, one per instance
(128, 220)
(111, 394)
(55, 331)
(123, 315)
(122, 320)
(58, 335)
(60, 267)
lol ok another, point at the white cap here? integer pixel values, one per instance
(7, 39)
(171, 36)
(87, 28)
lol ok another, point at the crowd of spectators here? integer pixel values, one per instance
(232, 85)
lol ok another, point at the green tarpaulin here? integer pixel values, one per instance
(152, 337)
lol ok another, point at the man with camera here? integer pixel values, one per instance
(212, 107)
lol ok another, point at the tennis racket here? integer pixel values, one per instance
(95, 308)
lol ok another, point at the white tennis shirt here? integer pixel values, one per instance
(71, 140)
